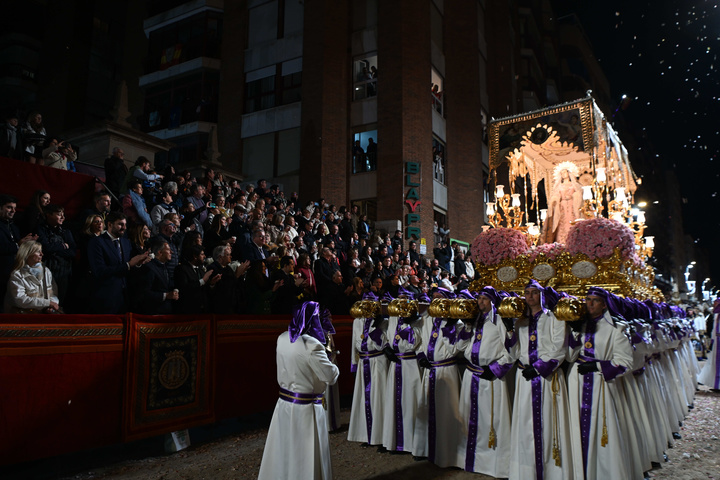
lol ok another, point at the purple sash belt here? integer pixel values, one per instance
(376, 353)
(477, 370)
(406, 356)
(444, 363)
(301, 398)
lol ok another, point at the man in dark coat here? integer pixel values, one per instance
(192, 281)
(58, 248)
(115, 171)
(286, 296)
(110, 263)
(255, 250)
(152, 289)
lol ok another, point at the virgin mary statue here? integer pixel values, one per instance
(564, 203)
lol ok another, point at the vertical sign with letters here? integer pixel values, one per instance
(412, 200)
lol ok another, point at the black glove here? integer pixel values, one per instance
(388, 351)
(577, 325)
(509, 324)
(587, 367)
(424, 362)
(529, 373)
(487, 374)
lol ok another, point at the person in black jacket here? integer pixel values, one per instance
(192, 281)
(59, 248)
(289, 287)
(153, 292)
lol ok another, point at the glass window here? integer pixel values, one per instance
(437, 92)
(364, 152)
(260, 94)
(439, 164)
(365, 77)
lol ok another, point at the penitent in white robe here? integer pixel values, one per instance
(549, 424)
(438, 419)
(403, 387)
(297, 444)
(710, 374)
(602, 341)
(485, 403)
(370, 366)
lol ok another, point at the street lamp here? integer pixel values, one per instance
(690, 289)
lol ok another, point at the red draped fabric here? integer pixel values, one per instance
(75, 382)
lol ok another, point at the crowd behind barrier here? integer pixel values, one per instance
(247, 249)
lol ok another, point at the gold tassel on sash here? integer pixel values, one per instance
(492, 438)
(555, 386)
(604, 438)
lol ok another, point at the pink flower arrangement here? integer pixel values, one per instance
(497, 244)
(599, 237)
(551, 250)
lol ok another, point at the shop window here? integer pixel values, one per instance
(364, 152)
(365, 77)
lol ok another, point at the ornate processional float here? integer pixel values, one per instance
(569, 219)
(562, 213)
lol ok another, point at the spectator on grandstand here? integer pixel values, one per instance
(193, 281)
(191, 218)
(139, 236)
(134, 206)
(259, 289)
(31, 287)
(59, 248)
(335, 296)
(153, 292)
(198, 201)
(110, 262)
(217, 233)
(115, 171)
(58, 154)
(140, 171)
(10, 138)
(287, 287)
(226, 294)
(169, 234)
(101, 207)
(33, 216)
(34, 136)
(256, 249)
(10, 239)
(159, 211)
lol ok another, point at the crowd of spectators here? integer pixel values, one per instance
(160, 243)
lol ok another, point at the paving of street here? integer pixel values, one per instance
(237, 453)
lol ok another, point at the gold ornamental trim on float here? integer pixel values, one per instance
(573, 274)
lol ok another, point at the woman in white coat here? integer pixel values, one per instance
(31, 288)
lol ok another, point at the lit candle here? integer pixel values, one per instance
(587, 192)
(490, 208)
(543, 214)
(499, 191)
(515, 199)
(620, 194)
(641, 217)
(650, 242)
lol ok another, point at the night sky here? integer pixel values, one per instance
(664, 56)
